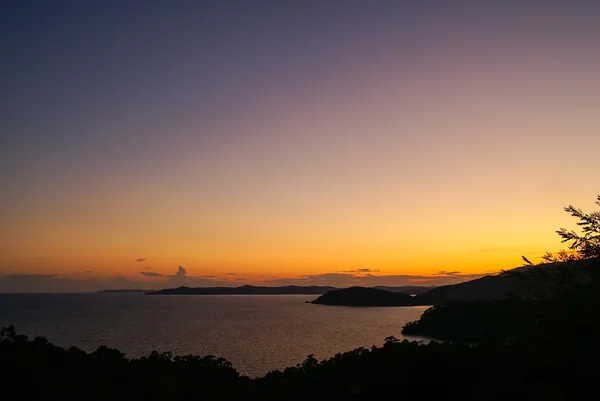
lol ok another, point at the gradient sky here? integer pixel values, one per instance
(288, 141)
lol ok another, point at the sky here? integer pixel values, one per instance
(157, 143)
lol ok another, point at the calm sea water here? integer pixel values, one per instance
(257, 333)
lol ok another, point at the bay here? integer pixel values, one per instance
(257, 333)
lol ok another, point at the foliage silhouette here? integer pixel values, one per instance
(584, 245)
(399, 370)
(587, 244)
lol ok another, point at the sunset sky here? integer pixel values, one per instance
(280, 142)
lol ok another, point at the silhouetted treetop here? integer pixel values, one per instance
(586, 243)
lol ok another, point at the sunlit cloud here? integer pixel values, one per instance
(55, 283)
(181, 278)
(152, 274)
(371, 280)
(364, 270)
(445, 273)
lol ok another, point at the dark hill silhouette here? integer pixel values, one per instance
(500, 286)
(245, 289)
(509, 284)
(409, 289)
(362, 296)
(259, 290)
(560, 298)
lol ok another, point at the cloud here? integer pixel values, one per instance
(140, 260)
(360, 271)
(55, 283)
(179, 278)
(89, 271)
(445, 273)
(152, 274)
(370, 280)
(122, 280)
(362, 277)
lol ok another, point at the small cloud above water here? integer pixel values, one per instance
(445, 273)
(152, 274)
(359, 278)
(364, 270)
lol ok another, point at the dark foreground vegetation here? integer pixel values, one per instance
(565, 370)
(543, 346)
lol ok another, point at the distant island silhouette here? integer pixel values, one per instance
(363, 296)
(244, 290)
(502, 286)
(491, 287)
(282, 290)
(488, 288)
(505, 285)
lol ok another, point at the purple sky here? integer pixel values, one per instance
(292, 139)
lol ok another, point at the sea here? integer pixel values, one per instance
(256, 333)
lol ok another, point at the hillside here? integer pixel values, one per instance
(244, 290)
(409, 289)
(510, 284)
(258, 290)
(485, 288)
(362, 296)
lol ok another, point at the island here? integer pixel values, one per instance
(262, 290)
(363, 296)
(245, 290)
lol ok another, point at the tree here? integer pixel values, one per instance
(583, 246)
(566, 277)
(586, 244)
(527, 261)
